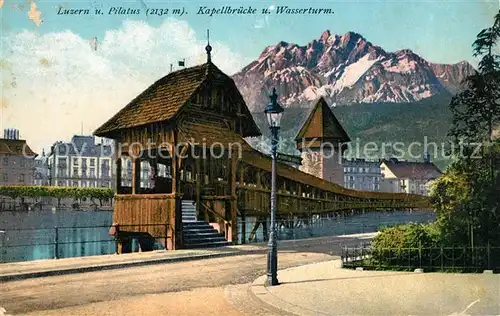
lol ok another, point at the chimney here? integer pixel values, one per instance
(17, 134)
(5, 133)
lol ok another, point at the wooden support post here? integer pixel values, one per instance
(175, 232)
(136, 175)
(118, 185)
(210, 179)
(253, 233)
(199, 179)
(233, 234)
(265, 232)
(243, 227)
(258, 175)
(242, 175)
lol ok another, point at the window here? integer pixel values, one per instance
(61, 173)
(5, 161)
(21, 178)
(92, 172)
(23, 162)
(5, 177)
(105, 163)
(75, 183)
(61, 162)
(92, 162)
(75, 161)
(75, 171)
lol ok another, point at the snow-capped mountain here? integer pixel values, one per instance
(345, 69)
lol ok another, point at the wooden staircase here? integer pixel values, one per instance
(199, 234)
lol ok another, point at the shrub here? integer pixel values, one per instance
(17, 191)
(407, 236)
(401, 246)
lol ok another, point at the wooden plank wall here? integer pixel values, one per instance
(145, 209)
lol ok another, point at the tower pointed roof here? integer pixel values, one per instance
(322, 124)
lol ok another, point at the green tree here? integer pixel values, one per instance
(466, 198)
(476, 110)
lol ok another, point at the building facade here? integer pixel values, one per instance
(16, 160)
(85, 163)
(408, 177)
(82, 163)
(42, 170)
(321, 142)
(361, 174)
(146, 173)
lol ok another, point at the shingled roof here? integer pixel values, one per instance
(164, 98)
(16, 147)
(412, 170)
(321, 123)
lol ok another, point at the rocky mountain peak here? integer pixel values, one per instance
(345, 69)
(325, 36)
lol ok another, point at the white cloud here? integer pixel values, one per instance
(263, 21)
(53, 82)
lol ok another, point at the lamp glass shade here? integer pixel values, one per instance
(274, 119)
(274, 111)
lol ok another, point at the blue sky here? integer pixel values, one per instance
(52, 80)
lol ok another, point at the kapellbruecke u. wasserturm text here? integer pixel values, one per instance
(249, 10)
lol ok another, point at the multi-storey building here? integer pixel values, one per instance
(146, 173)
(42, 170)
(361, 174)
(407, 176)
(16, 160)
(82, 163)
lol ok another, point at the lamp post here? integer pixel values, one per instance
(273, 113)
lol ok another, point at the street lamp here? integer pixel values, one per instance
(273, 113)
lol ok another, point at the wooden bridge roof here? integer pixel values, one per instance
(199, 133)
(164, 99)
(195, 132)
(261, 161)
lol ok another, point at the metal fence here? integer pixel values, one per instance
(67, 242)
(251, 231)
(445, 259)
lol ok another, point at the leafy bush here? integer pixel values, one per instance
(14, 192)
(401, 246)
(407, 236)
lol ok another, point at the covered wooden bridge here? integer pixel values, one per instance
(189, 127)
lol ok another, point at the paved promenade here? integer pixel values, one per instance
(41, 268)
(212, 286)
(327, 289)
